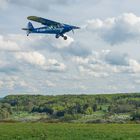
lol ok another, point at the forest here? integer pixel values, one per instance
(109, 108)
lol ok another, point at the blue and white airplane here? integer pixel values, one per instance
(50, 27)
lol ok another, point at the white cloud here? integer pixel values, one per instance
(53, 65)
(38, 59)
(34, 58)
(107, 63)
(7, 44)
(50, 84)
(134, 66)
(116, 30)
(60, 43)
(8, 82)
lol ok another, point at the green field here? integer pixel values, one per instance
(60, 131)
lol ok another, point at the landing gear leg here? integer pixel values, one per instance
(57, 36)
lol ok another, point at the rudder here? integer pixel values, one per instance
(30, 26)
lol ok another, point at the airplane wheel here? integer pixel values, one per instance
(57, 36)
(65, 38)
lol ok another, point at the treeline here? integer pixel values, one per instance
(71, 107)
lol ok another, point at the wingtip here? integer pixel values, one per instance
(31, 17)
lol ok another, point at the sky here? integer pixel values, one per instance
(102, 57)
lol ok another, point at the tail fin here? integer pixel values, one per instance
(30, 26)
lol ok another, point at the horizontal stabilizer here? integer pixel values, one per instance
(25, 29)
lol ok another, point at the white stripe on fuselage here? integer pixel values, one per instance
(49, 29)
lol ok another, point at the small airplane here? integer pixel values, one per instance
(50, 27)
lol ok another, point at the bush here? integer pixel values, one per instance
(136, 115)
(125, 108)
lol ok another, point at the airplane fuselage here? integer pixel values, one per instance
(51, 30)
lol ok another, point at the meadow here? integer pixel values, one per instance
(65, 131)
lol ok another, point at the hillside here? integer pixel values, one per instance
(118, 108)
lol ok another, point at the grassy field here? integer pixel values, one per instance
(42, 131)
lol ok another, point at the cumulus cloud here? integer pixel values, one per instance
(70, 47)
(53, 65)
(9, 83)
(107, 63)
(34, 58)
(76, 49)
(117, 58)
(38, 59)
(8, 44)
(18, 42)
(116, 30)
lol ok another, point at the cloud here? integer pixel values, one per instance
(65, 48)
(53, 65)
(9, 69)
(10, 83)
(116, 30)
(134, 66)
(6, 44)
(39, 60)
(34, 58)
(3, 4)
(76, 49)
(50, 84)
(117, 58)
(69, 47)
(7, 66)
(107, 63)
(35, 4)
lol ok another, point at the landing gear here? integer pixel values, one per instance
(28, 32)
(65, 37)
(57, 36)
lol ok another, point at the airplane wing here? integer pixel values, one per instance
(44, 21)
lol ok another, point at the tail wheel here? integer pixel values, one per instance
(65, 38)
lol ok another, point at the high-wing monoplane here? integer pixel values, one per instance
(50, 27)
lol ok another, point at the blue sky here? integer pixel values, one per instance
(102, 57)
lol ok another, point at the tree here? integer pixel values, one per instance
(94, 107)
(124, 108)
(89, 111)
(60, 113)
(136, 115)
